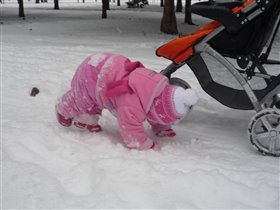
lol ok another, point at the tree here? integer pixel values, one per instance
(188, 14)
(37, 1)
(168, 21)
(118, 2)
(161, 3)
(179, 6)
(107, 4)
(20, 8)
(104, 8)
(56, 4)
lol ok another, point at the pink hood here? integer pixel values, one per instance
(146, 84)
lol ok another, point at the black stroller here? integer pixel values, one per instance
(239, 42)
(137, 3)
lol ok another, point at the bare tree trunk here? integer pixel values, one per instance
(118, 2)
(56, 4)
(108, 4)
(179, 6)
(37, 1)
(188, 14)
(20, 8)
(168, 21)
(161, 3)
(104, 9)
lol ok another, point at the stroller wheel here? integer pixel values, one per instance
(179, 82)
(264, 131)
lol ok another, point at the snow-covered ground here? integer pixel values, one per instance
(210, 164)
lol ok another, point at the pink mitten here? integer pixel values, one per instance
(169, 132)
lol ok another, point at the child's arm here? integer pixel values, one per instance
(132, 129)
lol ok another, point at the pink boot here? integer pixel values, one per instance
(63, 121)
(90, 128)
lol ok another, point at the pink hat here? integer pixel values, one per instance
(172, 104)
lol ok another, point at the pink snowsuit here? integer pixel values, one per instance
(125, 88)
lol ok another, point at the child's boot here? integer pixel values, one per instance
(64, 121)
(90, 128)
(87, 122)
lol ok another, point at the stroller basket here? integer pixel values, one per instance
(240, 39)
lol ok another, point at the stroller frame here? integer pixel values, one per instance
(263, 127)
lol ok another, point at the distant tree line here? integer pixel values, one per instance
(168, 21)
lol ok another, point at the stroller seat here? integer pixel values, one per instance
(240, 39)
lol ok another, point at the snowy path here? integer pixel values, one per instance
(209, 164)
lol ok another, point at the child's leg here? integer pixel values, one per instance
(66, 114)
(67, 106)
(79, 103)
(88, 121)
(83, 117)
(67, 122)
(64, 110)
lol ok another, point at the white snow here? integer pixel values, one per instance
(210, 164)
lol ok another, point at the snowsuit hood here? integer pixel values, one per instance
(146, 84)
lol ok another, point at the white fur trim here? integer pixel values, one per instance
(191, 97)
(183, 99)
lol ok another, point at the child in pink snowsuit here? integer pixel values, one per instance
(131, 92)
